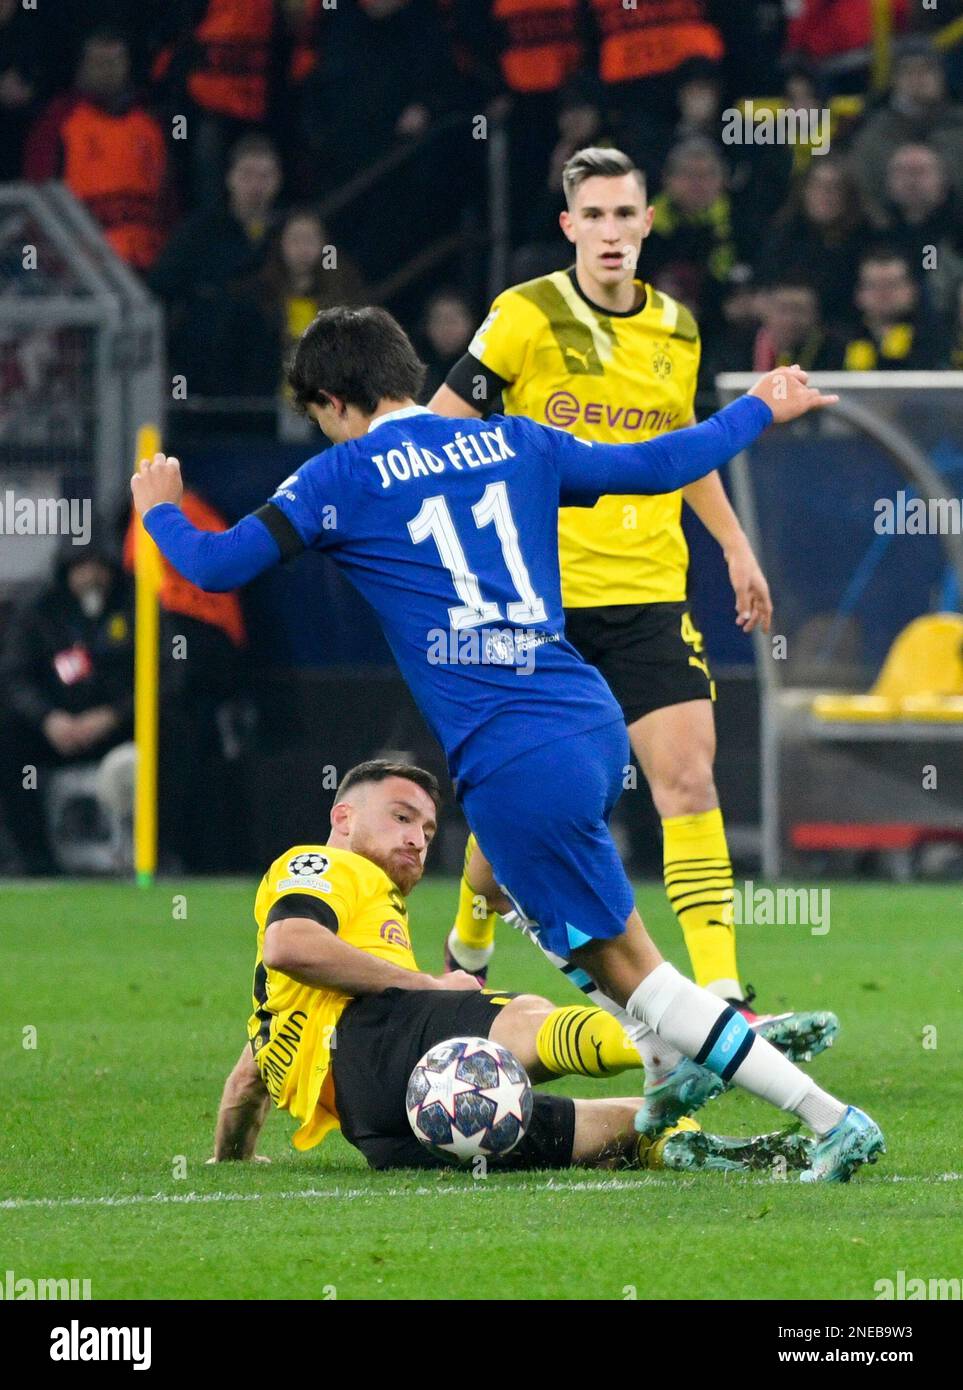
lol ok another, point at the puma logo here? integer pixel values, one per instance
(582, 356)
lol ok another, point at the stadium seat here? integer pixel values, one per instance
(921, 678)
(86, 836)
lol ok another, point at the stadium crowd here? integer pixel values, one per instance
(224, 147)
(207, 137)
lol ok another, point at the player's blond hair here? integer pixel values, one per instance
(596, 162)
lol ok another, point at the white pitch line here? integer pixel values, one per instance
(356, 1193)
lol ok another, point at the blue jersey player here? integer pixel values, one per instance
(449, 529)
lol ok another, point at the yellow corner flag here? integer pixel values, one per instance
(148, 573)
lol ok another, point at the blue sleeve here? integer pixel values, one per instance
(213, 560)
(301, 512)
(589, 471)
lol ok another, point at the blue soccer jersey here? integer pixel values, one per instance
(449, 530)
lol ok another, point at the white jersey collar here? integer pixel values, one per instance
(401, 414)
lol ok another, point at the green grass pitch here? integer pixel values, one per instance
(139, 1013)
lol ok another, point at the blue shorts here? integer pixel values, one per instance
(541, 821)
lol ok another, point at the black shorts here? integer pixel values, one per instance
(379, 1040)
(651, 654)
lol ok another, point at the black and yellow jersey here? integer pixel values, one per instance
(292, 1028)
(613, 377)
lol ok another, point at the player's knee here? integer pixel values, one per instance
(686, 787)
(530, 1007)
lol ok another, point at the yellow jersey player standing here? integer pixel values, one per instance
(597, 351)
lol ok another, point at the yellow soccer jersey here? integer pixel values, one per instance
(611, 377)
(292, 1026)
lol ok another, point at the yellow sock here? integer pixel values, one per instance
(581, 1041)
(474, 924)
(650, 1149)
(698, 880)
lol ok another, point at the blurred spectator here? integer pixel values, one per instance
(692, 246)
(894, 333)
(267, 314)
(917, 111)
(210, 249)
(730, 347)
(108, 150)
(383, 74)
(644, 54)
(758, 174)
(792, 330)
(31, 62)
(752, 32)
(66, 681)
(221, 68)
(525, 53)
(837, 35)
(925, 221)
(446, 331)
(818, 235)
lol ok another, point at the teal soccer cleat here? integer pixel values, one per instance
(688, 1152)
(686, 1089)
(798, 1036)
(855, 1140)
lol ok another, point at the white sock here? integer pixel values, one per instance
(726, 989)
(658, 1057)
(470, 958)
(687, 1017)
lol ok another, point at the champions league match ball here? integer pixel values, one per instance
(469, 1098)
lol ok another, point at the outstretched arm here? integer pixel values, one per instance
(213, 560)
(587, 472)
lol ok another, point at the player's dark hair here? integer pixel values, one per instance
(596, 162)
(363, 356)
(379, 769)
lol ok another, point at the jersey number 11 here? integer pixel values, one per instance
(434, 520)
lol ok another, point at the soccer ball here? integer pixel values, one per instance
(469, 1098)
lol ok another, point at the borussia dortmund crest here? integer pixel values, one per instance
(662, 364)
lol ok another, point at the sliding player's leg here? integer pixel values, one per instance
(573, 1040)
(675, 746)
(576, 889)
(370, 1082)
(605, 1137)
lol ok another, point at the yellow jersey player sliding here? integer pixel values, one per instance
(342, 1013)
(597, 351)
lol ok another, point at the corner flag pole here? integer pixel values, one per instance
(148, 573)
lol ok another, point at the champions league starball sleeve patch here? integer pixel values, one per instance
(304, 865)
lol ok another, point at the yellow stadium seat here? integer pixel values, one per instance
(921, 679)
